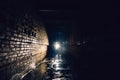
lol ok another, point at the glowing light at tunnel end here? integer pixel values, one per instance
(57, 45)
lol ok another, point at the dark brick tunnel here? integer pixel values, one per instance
(27, 36)
(23, 43)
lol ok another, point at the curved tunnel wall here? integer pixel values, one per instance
(23, 41)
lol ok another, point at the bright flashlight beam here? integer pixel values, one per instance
(57, 45)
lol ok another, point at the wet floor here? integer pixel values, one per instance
(51, 69)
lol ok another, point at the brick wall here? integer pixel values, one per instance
(22, 42)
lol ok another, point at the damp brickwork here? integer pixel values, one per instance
(22, 43)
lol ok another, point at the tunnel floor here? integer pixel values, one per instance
(51, 69)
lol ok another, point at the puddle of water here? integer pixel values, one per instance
(51, 70)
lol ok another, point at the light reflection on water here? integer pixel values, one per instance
(52, 70)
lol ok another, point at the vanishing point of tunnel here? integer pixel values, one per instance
(57, 44)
